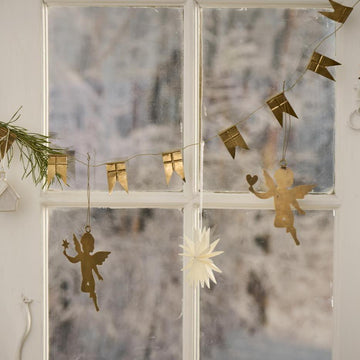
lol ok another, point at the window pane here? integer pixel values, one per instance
(247, 55)
(140, 297)
(273, 299)
(115, 88)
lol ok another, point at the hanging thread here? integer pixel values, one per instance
(287, 130)
(88, 217)
(201, 183)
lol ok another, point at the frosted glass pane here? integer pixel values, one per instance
(247, 55)
(273, 299)
(140, 297)
(115, 89)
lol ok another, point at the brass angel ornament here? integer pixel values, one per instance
(284, 197)
(89, 263)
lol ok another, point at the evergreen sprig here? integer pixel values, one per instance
(34, 149)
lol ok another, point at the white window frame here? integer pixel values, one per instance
(24, 269)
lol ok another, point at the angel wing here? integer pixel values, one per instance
(100, 257)
(299, 192)
(270, 183)
(77, 245)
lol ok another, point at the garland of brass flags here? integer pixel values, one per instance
(278, 104)
(45, 162)
(42, 161)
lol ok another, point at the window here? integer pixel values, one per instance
(263, 291)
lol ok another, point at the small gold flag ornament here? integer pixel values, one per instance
(232, 138)
(340, 13)
(279, 104)
(57, 164)
(173, 161)
(6, 140)
(117, 172)
(319, 64)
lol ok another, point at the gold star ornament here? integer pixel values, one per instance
(65, 244)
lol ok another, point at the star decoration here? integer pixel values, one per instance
(199, 251)
(65, 244)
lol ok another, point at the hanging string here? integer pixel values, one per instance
(287, 129)
(88, 217)
(201, 183)
(243, 120)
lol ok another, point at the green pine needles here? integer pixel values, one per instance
(34, 149)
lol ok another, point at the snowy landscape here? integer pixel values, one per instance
(115, 89)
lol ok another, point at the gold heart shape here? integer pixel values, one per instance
(251, 179)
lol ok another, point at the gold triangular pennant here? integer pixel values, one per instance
(57, 164)
(117, 172)
(232, 138)
(173, 161)
(319, 64)
(279, 104)
(6, 140)
(340, 13)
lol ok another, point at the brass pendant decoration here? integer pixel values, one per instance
(57, 164)
(284, 197)
(232, 138)
(340, 13)
(88, 262)
(6, 140)
(117, 172)
(319, 64)
(279, 104)
(173, 161)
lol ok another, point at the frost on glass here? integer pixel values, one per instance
(139, 298)
(273, 299)
(247, 56)
(115, 89)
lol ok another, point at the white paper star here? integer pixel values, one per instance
(199, 251)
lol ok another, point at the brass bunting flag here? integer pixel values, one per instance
(173, 161)
(340, 13)
(319, 64)
(6, 140)
(279, 104)
(232, 138)
(57, 164)
(117, 172)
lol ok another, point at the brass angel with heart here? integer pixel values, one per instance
(284, 197)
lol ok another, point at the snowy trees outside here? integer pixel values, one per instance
(273, 299)
(140, 298)
(115, 89)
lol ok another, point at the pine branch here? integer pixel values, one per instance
(34, 149)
